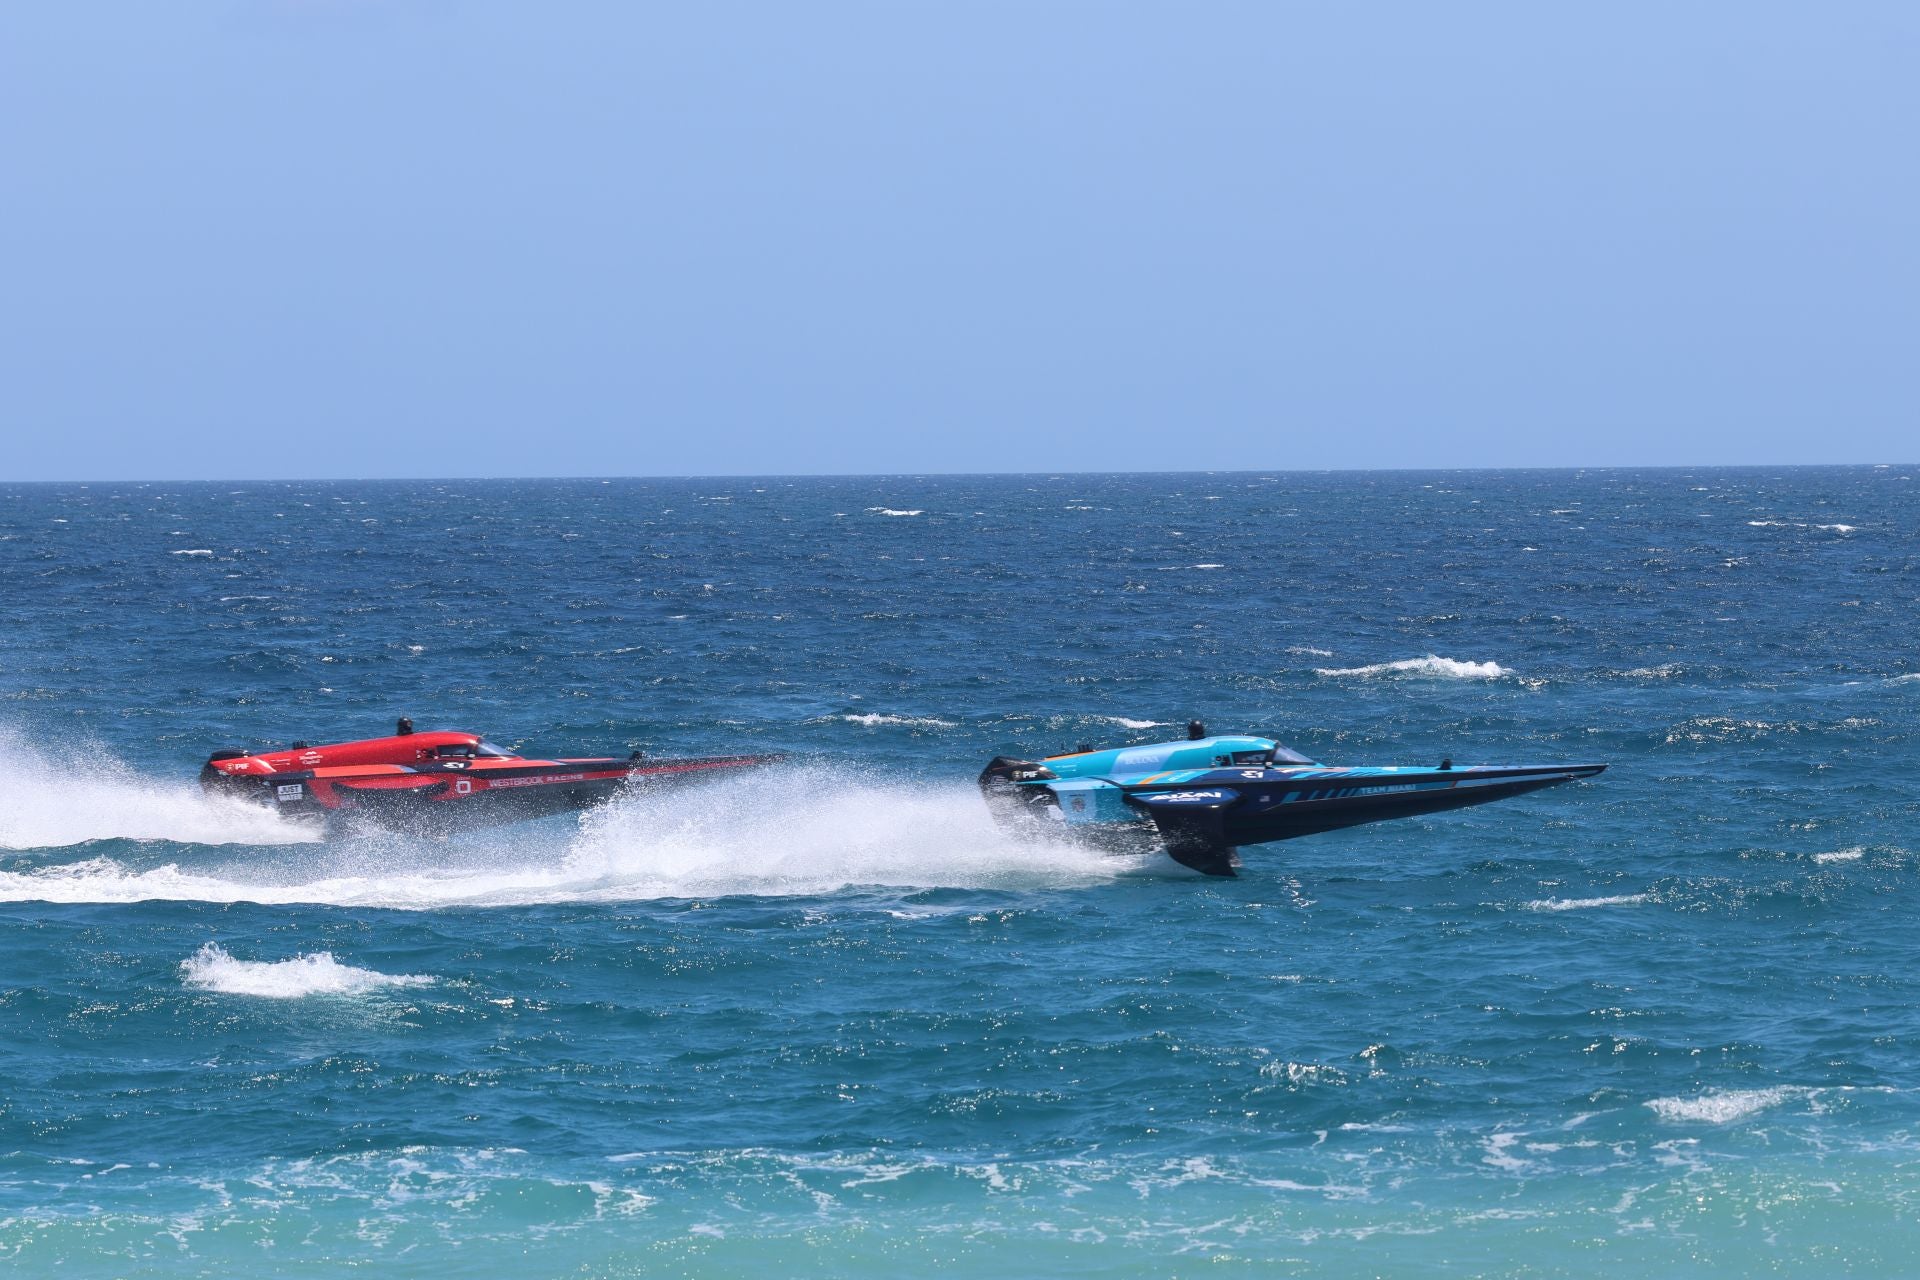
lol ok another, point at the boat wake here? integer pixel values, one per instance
(51, 798)
(805, 831)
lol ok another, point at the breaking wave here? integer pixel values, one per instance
(872, 720)
(806, 831)
(1724, 1106)
(1587, 904)
(1431, 666)
(50, 799)
(211, 968)
(1803, 524)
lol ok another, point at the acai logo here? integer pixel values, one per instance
(1188, 797)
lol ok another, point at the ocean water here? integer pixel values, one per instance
(828, 1021)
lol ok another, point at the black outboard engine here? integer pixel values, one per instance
(213, 780)
(1020, 811)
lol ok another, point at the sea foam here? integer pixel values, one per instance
(1723, 1106)
(1430, 666)
(1587, 904)
(211, 968)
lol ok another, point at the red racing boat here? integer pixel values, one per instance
(439, 782)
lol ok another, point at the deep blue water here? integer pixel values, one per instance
(830, 1022)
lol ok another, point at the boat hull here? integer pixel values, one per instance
(1201, 817)
(439, 799)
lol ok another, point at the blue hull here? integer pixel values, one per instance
(1202, 815)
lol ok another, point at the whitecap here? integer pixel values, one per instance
(1125, 723)
(1723, 1106)
(1840, 855)
(212, 968)
(871, 720)
(197, 551)
(1585, 904)
(1431, 665)
(889, 511)
(1309, 651)
(1842, 529)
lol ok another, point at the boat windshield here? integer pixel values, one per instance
(489, 749)
(1277, 754)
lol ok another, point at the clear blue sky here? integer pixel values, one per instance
(361, 238)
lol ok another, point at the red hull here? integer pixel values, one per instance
(442, 781)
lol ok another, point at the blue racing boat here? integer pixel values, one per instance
(1204, 797)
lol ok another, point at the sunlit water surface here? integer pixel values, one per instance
(830, 1021)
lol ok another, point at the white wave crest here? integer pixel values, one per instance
(1722, 1106)
(889, 511)
(211, 968)
(798, 832)
(1586, 904)
(1842, 529)
(1125, 723)
(873, 721)
(52, 798)
(1840, 855)
(1430, 666)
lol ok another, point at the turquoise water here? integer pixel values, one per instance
(830, 1021)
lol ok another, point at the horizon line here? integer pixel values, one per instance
(956, 475)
